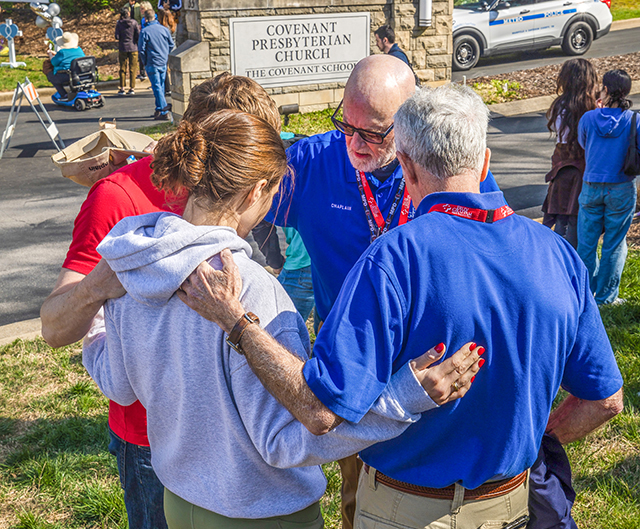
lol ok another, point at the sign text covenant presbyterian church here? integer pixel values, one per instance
(298, 50)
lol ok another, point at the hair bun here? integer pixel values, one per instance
(180, 158)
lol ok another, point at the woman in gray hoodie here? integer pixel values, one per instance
(228, 454)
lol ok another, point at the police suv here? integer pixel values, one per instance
(489, 27)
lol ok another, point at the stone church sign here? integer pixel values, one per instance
(298, 50)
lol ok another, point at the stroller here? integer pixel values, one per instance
(82, 80)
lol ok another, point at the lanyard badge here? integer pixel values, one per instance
(481, 215)
(377, 224)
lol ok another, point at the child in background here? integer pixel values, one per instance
(576, 87)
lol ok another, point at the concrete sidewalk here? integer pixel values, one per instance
(26, 330)
(104, 87)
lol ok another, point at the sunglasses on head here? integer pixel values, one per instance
(367, 135)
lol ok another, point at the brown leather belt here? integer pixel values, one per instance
(483, 492)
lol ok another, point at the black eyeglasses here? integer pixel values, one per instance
(367, 135)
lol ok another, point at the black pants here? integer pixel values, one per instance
(58, 81)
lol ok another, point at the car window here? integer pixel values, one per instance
(503, 4)
(471, 4)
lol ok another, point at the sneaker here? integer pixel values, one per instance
(121, 92)
(131, 91)
(163, 117)
(617, 301)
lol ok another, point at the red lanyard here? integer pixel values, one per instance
(372, 210)
(481, 215)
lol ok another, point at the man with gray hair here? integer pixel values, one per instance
(465, 266)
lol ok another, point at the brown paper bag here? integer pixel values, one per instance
(100, 154)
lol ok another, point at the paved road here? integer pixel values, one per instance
(38, 206)
(615, 43)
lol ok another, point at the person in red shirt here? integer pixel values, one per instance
(86, 282)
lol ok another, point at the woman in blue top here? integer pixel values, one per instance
(608, 197)
(68, 50)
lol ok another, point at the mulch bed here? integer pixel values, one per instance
(542, 81)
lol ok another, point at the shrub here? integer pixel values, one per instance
(498, 91)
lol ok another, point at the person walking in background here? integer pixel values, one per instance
(127, 35)
(144, 6)
(577, 87)
(386, 41)
(608, 197)
(154, 47)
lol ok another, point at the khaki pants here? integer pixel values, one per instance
(350, 468)
(181, 514)
(381, 507)
(130, 58)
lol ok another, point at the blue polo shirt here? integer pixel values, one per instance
(323, 203)
(515, 288)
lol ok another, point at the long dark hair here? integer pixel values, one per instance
(618, 85)
(576, 87)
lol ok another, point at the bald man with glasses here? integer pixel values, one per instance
(347, 190)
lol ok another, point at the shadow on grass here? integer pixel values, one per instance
(72, 435)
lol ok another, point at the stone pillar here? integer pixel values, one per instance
(207, 52)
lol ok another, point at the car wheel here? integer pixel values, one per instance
(79, 104)
(578, 39)
(466, 52)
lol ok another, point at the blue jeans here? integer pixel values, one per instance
(143, 492)
(157, 78)
(299, 286)
(608, 208)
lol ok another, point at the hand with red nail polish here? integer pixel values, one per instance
(450, 379)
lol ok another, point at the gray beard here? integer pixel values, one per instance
(385, 158)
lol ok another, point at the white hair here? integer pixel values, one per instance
(444, 130)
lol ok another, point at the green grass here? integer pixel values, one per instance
(498, 91)
(157, 131)
(310, 123)
(10, 77)
(55, 471)
(624, 9)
